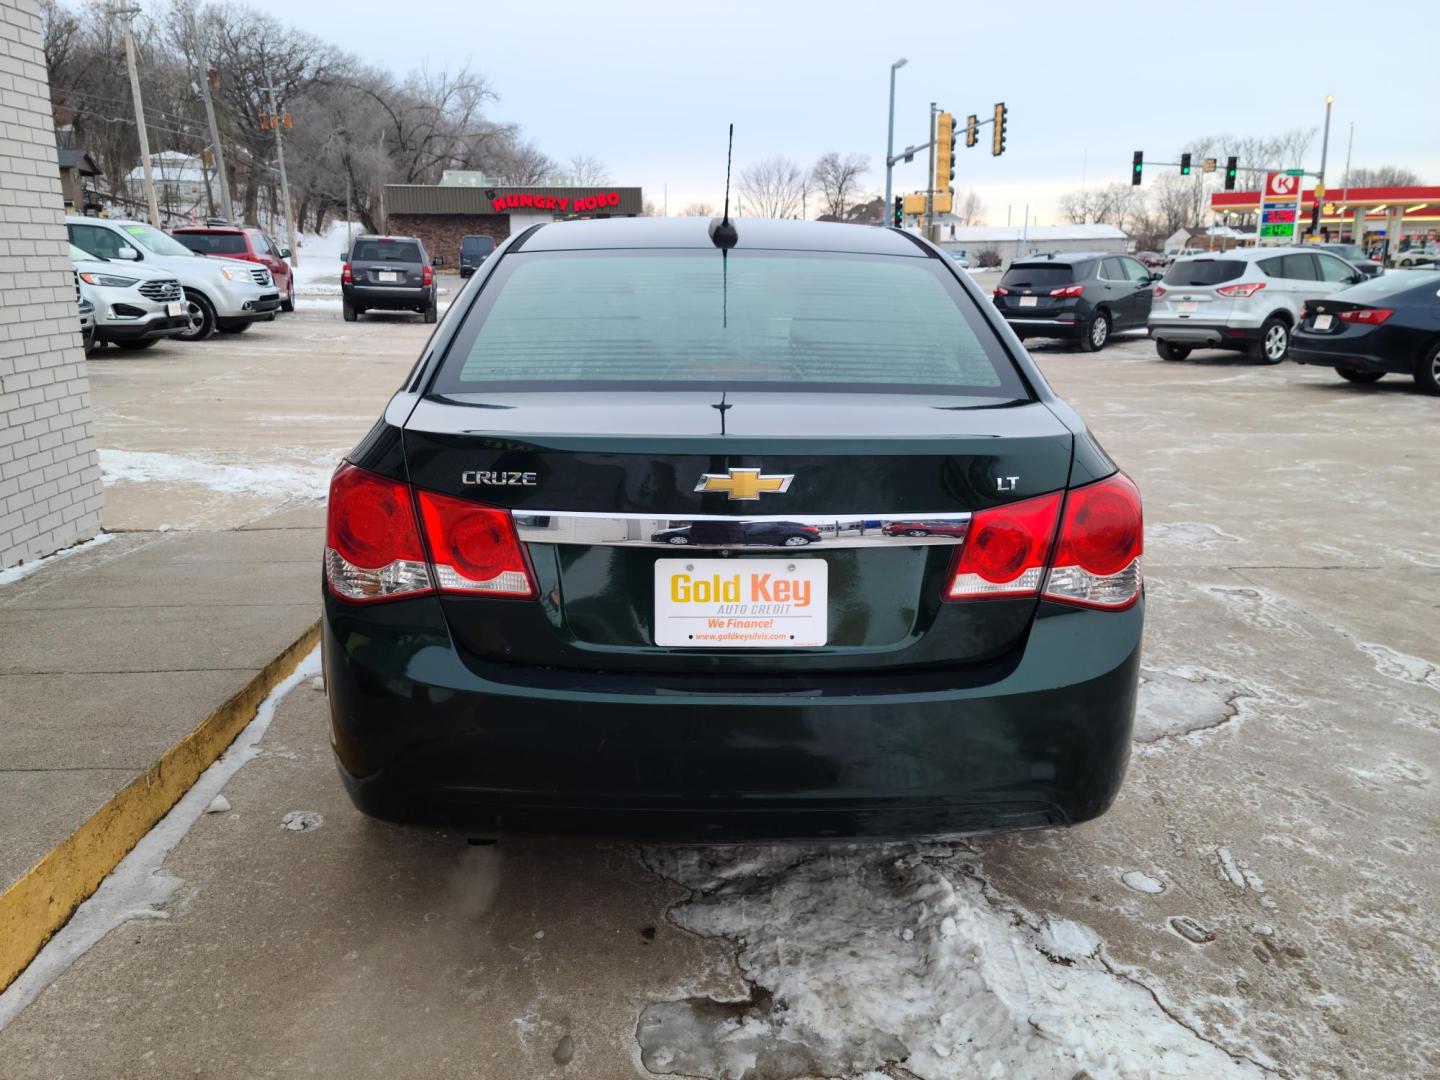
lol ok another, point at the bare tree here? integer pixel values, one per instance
(838, 178)
(588, 171)
(1382, 176)
(774, 188)
(521, 163)
(970, 209)
(1110, 205)
(699, 209)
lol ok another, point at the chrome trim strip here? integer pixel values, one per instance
(725, 532)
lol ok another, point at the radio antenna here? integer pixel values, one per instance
(722, 232)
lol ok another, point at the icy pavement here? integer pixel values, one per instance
(859, 959)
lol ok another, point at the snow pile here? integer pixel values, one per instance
(859, 958)
(230, 478)
(320, 256)
(1181, 700)
(25, 569)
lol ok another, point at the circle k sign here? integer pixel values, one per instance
(1281, 185)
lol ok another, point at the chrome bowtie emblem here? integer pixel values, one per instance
(745, 485)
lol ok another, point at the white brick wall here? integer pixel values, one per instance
(50, 494)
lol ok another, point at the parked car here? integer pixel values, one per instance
(960, 258)
(224, 294)
(1355, 255)
(1413, 257)
(1153, 260)
(1082, 296)
(1381, 326)
(925, 528)
(474, 250)
(245, 242)
(1247, 299)
(501, 655)
(387, 273)
(741, 534)
(133, 307)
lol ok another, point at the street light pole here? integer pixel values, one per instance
(126, 15)
(890, 142)
(1324, 153)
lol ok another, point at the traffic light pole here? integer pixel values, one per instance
(930, 179)
(284, 183)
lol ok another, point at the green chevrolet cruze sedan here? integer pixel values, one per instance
(515, 640)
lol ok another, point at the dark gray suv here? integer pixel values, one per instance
(388, 273)
(1082, 296)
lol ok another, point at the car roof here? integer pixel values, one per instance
(1064, 257)
(694, 232)
(214, 228)
(384, 236)
(1247, 254)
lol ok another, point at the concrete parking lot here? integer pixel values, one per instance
(1259, 901)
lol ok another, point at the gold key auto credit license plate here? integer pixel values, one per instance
(740, 603)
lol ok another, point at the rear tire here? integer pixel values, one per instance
(1273, 344)
(348, 311)
(1356, 376)
(201, 316)
(432, 313)
(1168, 350)
(1427, 371)
(1096, 334)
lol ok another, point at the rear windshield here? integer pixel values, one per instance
(1046, 276)
(667, 319)
(386, 251)
(1204, 271)
(213, 243)
(475, 245)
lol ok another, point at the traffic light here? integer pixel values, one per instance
(1231, 169)
(972, 130)
(899, 211)
(1184, 164)
(944, 151)
(997, 145)
(1137, 168)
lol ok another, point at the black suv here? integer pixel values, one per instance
(1083, 296)
(474, 250)
(389, 273)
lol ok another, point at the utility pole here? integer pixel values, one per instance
(128, 14)
(210, 79)
(1324, 153)
(284, 183)
(930, 178)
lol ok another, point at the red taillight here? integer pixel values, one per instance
(1159, 290)
(1004, 551)
(1250, 288)
(426, 275)
(1068, 290)
(1366, 316)
(345, 274)
(372, 541)
(1097, 556)
(1000, 290)
(475, 549)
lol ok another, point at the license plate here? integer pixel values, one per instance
(741, 603)
(1027, 301)
(175, 307)
(1322, 322)
(388, 275)
(1188, 307)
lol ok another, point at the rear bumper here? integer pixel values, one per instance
(1367, 353)
(1041, 327)
(388, 296)
(1218, 335)
(1041, 738)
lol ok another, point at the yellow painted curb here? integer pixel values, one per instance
(47, 894)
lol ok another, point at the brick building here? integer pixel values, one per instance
(440, 214)
(50, 494)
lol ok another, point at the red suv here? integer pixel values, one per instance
(243, 242)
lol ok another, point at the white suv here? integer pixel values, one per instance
(1244, 299)
(220, 294)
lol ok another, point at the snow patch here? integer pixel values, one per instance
(139, 884)
(301, 821)
(1141, 882)
(979, 990)
(230, 478)
(23, 570)
(1401, 666)
(1190, 534)
(1183, 700)
(218, 805)
(1236, 872)
(1260, 608)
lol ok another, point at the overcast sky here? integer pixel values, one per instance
(649, 87)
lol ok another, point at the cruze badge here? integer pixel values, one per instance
(493, 478)
(745, 485)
